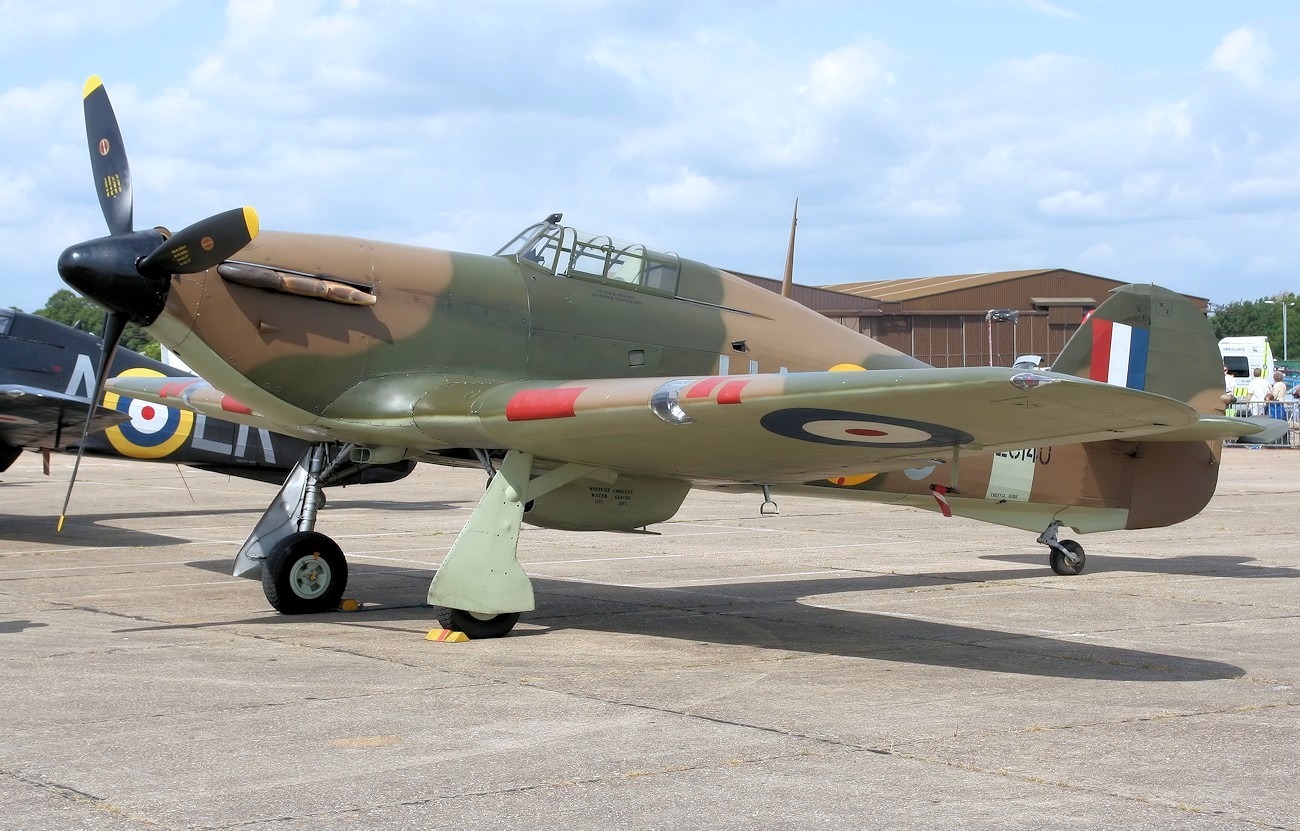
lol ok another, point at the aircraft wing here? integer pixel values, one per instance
(189, 392)
(35, 417)
(792, 427)
(760, 428)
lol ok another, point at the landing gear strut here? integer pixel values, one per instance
(479, 585)
(302, 571)
(479, 588)
(1066, 557)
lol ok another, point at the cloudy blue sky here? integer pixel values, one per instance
(1141, 141)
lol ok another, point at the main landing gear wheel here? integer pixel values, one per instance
(476, 625)
(305, 573)
(1066, 566)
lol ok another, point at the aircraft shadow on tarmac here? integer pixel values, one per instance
(12, 627)
(781, 615)
(776, 615)
(398, 505)
(95, 530)
(1205, 565)
(92, 530)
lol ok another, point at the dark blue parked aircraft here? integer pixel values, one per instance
(47, 376)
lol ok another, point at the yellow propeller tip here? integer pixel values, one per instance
(92, 83)
(59, 530)
(250, 219)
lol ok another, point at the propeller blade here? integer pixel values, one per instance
(202, 245)
(114, 325)
(107, 157)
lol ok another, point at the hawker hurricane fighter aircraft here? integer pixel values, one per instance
(599, 381)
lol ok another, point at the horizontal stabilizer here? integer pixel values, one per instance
(1210, 428)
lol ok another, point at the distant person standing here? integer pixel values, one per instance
(1256, 391)
(1276, 395)
(1229, 380)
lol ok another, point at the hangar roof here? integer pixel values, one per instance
(914, 288)
(911, 288)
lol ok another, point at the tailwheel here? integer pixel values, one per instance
(1068, 559)
(305, 573)
(477, 625)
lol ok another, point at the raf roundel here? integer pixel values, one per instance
(850, 429)
(154, 431)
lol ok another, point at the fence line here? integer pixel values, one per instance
(1287, 410)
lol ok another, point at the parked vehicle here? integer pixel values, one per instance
(1243, 355)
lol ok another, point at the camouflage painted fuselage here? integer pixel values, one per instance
(447, 326)
(446, 330)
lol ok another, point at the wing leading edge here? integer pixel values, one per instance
(748, 428)
(789, 427)
(35, 417)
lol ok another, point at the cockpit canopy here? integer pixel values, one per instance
(567, 252)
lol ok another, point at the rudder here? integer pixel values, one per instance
(1149, 338)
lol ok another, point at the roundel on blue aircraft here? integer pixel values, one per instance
(154, 431)
(850, 429)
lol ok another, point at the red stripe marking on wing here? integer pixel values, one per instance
(730, 392)
(175, 388)
(531, 405)
(230, 405)
(703, 388)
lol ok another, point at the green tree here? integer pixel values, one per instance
(1253, 318)
(72, 309)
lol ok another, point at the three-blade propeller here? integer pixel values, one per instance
(129, 272)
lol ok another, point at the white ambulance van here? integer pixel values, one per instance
(1241, 356)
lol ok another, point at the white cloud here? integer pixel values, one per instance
(1181, 250)
(690, 193)
(1073, 203)
(16, 204)
(46, 106)
(847, 77)
(1100, 255)
(30, 26)
(685, 127)
(1169, 121)
(1264, 190)
(1244, 53)
(1050, 9)
(1267, 264)
(933, 207)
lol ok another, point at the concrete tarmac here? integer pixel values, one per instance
(841, 666)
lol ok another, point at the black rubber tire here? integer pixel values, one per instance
(304, 574)
(477, 627)
(1064, 567)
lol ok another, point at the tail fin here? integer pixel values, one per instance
(1149, 338)
(1152, 339)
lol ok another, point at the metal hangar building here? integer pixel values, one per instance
(985, 319)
